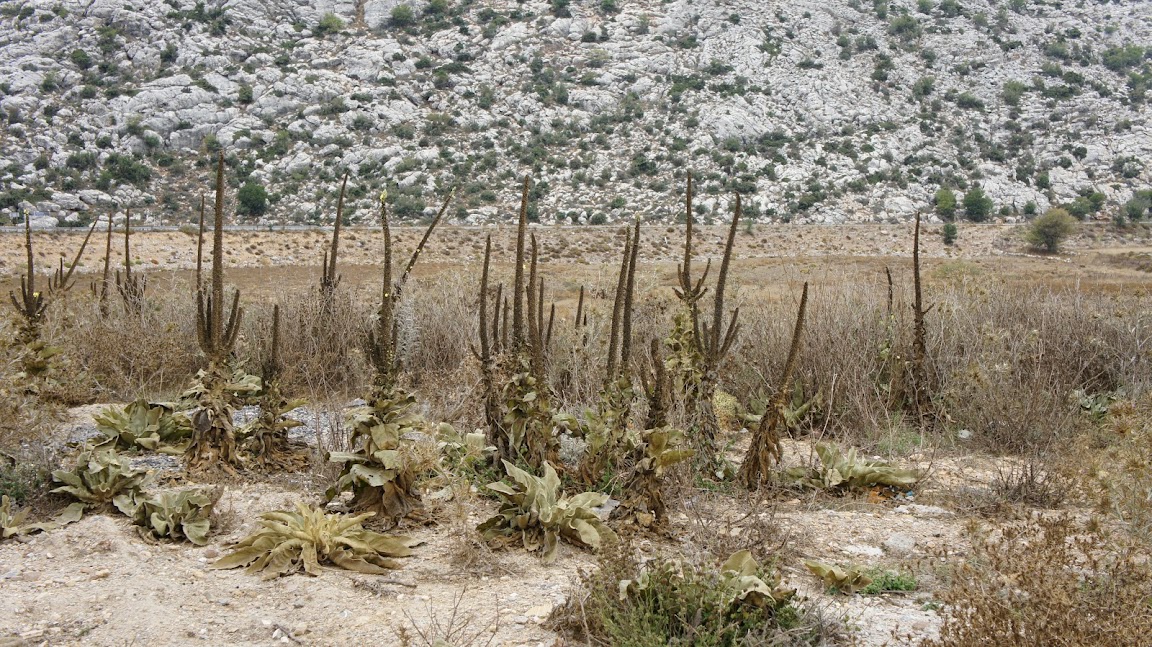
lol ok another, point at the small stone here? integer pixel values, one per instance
(855, 549)
(900, 545)
(926, 510)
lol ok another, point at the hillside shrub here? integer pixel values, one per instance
(977, 205)
(1047, 232)
(329, 23)
(946, 203)
(252, 199)
(402, 16)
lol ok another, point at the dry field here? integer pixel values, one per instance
(1030, 519)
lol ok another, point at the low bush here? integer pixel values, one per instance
(663, 602)
(1049, 231)
(1049, 581)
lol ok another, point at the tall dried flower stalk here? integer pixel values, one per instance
(766, 451)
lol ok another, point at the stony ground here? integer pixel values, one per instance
(97, 582)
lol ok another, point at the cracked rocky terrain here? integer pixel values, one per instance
(831, 112)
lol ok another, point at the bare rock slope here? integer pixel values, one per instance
(839, 111)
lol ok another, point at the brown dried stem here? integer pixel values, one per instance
(329, 279)
(518, 282)
(765, 451)
(62, 282)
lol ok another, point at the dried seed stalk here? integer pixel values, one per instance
(766, 450)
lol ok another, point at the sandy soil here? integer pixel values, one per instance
(97, 582)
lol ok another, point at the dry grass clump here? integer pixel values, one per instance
(436, 325)
(126, 355)
(1006, 358)
(321, 342)
(1050, 581)
(1117, 477)
(663, 602)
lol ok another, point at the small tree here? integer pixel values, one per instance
(946, 203)
(949, 233)
(252, 199)
(1049, 230)
(1139, 206)
(977, 205)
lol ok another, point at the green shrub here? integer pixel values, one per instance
(923, 86)
(1047, 232)
(402, 16)
(82, 161)
(1012, 93)
(126, 170)
(946, 203)
(1120, 59)
(969, 101)
(949, 233)
(977, 205)
(80, 59)
(408, 207)
(665, 602)
(212, 143)
(904, 27)
(885, 581)
(1139, 206)
(330, 23)
(252, 199)
(1079, 208)
(20, 481)
(244, 94)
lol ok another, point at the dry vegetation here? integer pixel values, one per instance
(635, 384)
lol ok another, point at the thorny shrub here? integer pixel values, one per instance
(1049, 581)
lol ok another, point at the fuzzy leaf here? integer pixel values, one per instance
(308, 537)
(846, 580)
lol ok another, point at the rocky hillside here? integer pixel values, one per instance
(829, 111)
